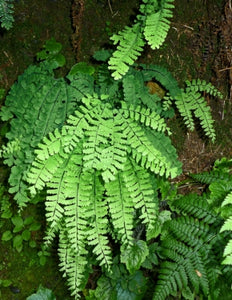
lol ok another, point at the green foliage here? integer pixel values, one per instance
(51, 53)
(6, 13)
(42, 294)
(152, 25)
(191, 101)
(119, 285)
(190, 249)
(37, 103)
(220, 197)
(21, 232)
(99, 148)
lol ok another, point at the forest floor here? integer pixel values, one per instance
(198, 45)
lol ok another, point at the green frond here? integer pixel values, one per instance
(212, 176)
(163, 144)
(72, 264)
(227, 225)
(187, 255)
(6, 13)
(150, 154)
(173, 275)
(198, 85)
(195, 206)
(138, 183)
(36, 104)
(82, 85)
(219, 190)
(228, 254)
(184, 105)
(157, 23)
(130, 46)
(228, 199)
(105, 146)
(136, 92)
(145, 116)
(97, 233)
(203, 113)
(121, 209)
(191, 102)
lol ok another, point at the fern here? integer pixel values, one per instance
(191, 101)
(157, 22)
(187, 253)
(152, 25)
(52, 101)
(6, 13)
(220, 197)
(131, 44)
(100, 149)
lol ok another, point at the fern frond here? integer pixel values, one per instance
(219, 190)
(190, 101)
(228, 253)
(105, 146)
(227, 226)
(148, 154)
(188, 259)
(97, 234)
(228, 199)
(195, 206)
(130, 46)
(72, 265)
(138, 183)
(6, 13)
(198, 85)
(202, 112)
(212, 176)
(157, 23)
(145, 116)
(39, 103)
(121, 209)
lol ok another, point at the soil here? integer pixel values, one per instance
(198, 45)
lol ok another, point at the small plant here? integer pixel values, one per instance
(22, 232)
